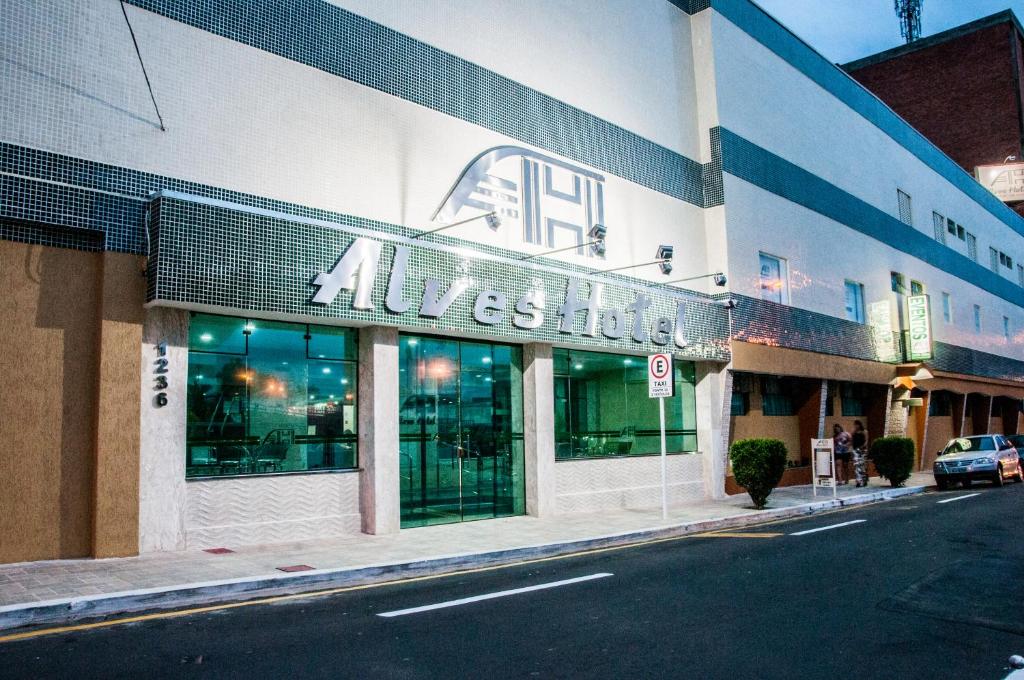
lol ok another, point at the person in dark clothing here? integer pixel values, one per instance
(841, 442)
(860, 453)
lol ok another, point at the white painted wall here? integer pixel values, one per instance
(246, 120)
(823, 254)
(765, 100)
(627, 61)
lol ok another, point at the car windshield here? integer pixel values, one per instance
(964, 444)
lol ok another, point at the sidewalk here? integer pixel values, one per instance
(33, 593)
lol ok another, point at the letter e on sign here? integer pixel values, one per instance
(659, 376)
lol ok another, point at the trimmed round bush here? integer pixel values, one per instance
(758, 465)
(894, 458)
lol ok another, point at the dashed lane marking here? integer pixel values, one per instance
(830, 526)
(957, 498)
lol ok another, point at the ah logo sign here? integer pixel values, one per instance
(555, 203)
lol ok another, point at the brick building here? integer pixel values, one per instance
(960, 88)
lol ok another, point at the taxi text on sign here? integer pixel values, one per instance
(659, 376)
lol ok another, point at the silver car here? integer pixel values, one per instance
(989, 457)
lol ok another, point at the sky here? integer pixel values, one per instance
(844, 30)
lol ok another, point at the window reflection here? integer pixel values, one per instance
(260, 402)
(602, 407)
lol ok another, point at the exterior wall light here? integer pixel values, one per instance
(492, 219)
(719, 278)
(663, 259)
(597, 235)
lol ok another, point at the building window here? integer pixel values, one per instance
(266, 396)
(940, 403)
(1006, 328)
(955, 229)
(1005, 260)
(898, 283)
(993, 260)
(740, 405)
(1020, 274)
(977, 319)
(939, 225)
(972, 247)
(854, 399)
(855, 301)
(775, 397)
(903, 199)
(602, 408)
(916, 288)
(947, 308)
(774, 279)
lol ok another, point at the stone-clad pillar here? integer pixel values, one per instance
(379, 501)
(539, 429)
(714, 398)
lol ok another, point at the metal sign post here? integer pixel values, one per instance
(823, 465)
(660, 384)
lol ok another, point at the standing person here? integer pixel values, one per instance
(841, 441)
(859, 441)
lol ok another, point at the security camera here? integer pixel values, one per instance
(720, 279)
(729, 303)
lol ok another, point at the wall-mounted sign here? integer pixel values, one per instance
(554, 202)
(357, 272)
(919, 327)
(160, 375)
(880, 321)
(1005, 181)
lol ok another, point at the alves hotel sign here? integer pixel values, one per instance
(217, 256)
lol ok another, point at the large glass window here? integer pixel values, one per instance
(266, 396)
(602, 407)
(774, 279)
(855, 301)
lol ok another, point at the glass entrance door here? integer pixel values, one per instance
(461, 419)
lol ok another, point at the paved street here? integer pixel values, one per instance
(914, 588)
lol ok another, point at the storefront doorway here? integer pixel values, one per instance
(461, 420)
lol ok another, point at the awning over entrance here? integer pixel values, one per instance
(752, 358)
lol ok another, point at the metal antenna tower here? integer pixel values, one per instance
(909, 12)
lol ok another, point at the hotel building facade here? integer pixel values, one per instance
(230, 313)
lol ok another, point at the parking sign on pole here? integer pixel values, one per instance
(659, 386)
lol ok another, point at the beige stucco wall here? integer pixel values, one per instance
(48, 348)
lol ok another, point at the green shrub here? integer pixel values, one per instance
(757, 465)
(894, 458)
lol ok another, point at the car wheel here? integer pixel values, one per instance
(998, 479)
(941, 484)
(967, 484)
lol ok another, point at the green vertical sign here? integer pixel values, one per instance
(919, 324)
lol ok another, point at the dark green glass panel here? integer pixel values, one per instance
(221, 334)
(460, 417)
(602, 407)
(268, 409)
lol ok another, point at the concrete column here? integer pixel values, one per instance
(379, 500)
(959, 413)
(895, 416)
(116, 500)
(539, 429)
(714, 398)
(163, 492)
(811, 416)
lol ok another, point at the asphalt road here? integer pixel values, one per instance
(908, 589)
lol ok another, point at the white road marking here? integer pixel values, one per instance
(959, 498)
(491, 596)
(830, 526)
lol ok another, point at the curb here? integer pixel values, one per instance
(171, 597)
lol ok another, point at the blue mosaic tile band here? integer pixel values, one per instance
(759, 25)
(334, 40)
(968, 361)
(762, 322)
(764, 169)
